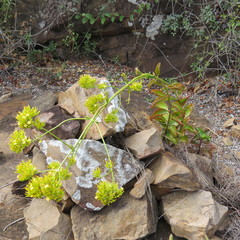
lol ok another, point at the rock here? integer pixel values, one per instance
(45, 101)
(5, 97)
(227, 141)
(234, 133)
(202, 168)
(45, 221)
(145, 143)
(89, 156)
(236, 127)
(75, 97)
(128, 218)
(142, 184)
(39, 159)
(193, 215)
(229, 123)
(54, 116)
(171, 173)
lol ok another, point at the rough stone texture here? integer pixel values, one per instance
(5, 97)
(45, 221)
(202, 167)
(142, 184)
(127, 219)
(193, 214)
(171, 173)
(54, 116)
(90, 155)
(145, 143)
(75, 97)
(44, 101)
(48, 21)
(39, 159)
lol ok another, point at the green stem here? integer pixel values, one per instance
(107, 152)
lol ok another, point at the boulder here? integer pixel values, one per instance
(90, 155)
(54, 116)
(45, 101)
(39, 159)
(75, 97)
(193, 215)
(171, 173)
(202, 168)
(45, 221)
(145, 143)
(127, 218)
(144, 181)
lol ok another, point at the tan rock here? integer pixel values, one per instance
(145, 143)
(45, 221)
(236, 127)
(128, 219)
(91, 154)
(227, 141)
(142, 184)
(193, 215)
(230, 122)
(75, 97)
(171, 173)
(39, 159)
(202, 168)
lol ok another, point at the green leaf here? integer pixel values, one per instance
(183, 101)
(173, 130)
(77, 16)
(177, 105)
(103, 20)
(183, 139)
(121, 18)
(89, 16)
(108, 14)
(92, 21)
(173, 123)
(157, 70)
(159, 93)
(148, 6)
(189, 128)
(113, 19)
(162, 105)
(84, 20)
(171, 138)
(188, 111)
(159, 112)
(131, 17)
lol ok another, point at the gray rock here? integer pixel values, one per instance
(44, 101)
(5, 97)
(45, 221)
(193, 215)
(127, 219)
(89, 156)
(75, 97)
(54, 116)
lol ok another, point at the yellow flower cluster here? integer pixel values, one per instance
(86, 81)
(26, 170)
(94, 102)
(108, 192)
(26, 118)
(19, 141)
(49, 185)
